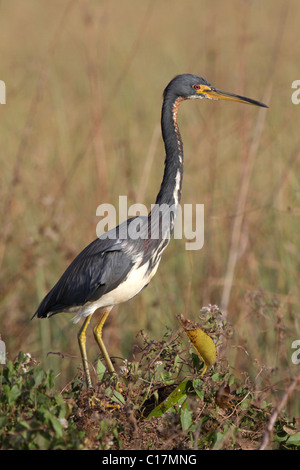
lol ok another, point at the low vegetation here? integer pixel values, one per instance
(161, 401)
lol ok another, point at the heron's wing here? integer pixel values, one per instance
(99, 268)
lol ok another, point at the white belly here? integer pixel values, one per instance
(136, 280)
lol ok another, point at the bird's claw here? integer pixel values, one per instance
(95, 402)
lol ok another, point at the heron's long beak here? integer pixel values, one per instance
(215, 94)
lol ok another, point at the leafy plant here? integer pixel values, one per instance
(163, 401)
(32, 415)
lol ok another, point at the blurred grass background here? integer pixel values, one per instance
(84, 83)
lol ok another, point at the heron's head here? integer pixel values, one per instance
(190, 86)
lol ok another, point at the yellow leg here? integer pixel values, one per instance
(98, 338)
(82, 347)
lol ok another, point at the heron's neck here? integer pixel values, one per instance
(170, 190)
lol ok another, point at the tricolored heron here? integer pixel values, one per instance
(119, 264)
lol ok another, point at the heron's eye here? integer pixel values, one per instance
(196, 87)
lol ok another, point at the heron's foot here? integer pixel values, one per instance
(106, 397)
(94, 401)
(108, 393)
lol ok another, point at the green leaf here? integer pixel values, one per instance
(186, 417)
(294, 439)
(38, 377)
(23, 424)
(180, 391)
(118, 397)
(11, 393)
(176, 361)
(56, 424)
(216, 377)
(3, 421)
(100, 370)
(198, 387)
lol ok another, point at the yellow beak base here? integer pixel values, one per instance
(215, 94)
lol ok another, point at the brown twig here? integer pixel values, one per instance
(269, 429)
